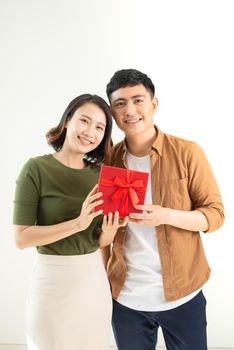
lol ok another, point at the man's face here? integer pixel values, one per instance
(133, 108)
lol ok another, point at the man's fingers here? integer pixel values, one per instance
(139, 216)
(136, 221)
(141, 207)
(146, 207)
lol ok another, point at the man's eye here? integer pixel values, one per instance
(119, 104)
(139, 100)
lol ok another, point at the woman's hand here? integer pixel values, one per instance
(36, 235)
(111, 223)
(88, 213)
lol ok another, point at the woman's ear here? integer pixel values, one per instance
(66, 124)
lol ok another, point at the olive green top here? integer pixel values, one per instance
(48, 193)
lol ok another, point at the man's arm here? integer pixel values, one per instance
(155, 215)
(203, 190)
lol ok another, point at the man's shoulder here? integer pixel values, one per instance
(179, 141)
(117, 153)
(118, 147)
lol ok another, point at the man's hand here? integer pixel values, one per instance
(153, 215)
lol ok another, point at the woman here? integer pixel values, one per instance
(69, 301)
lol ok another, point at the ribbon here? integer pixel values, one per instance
(126, 189)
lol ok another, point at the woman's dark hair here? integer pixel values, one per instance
(56, 136)
(129, 77)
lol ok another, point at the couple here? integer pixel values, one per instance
(157, 265)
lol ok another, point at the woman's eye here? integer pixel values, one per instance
(84, 120)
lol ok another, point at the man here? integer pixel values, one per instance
(157, 266)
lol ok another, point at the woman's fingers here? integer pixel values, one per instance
(92, 198)
(95, 213)
(116, 219)
(93, 191)
(104, 222)
(93, 194)
(124, 222)
(91, 206)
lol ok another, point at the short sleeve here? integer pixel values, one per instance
(27, 195)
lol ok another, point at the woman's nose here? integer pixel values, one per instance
(89, 132)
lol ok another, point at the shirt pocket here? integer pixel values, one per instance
(174, 194)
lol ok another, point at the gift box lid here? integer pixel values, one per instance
(122, 189)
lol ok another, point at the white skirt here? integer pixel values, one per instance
(69, 304)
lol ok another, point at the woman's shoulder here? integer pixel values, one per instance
(34, 163)
(41, 159)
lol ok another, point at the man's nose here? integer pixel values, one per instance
(130, 108)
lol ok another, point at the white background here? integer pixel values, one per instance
(54, 50)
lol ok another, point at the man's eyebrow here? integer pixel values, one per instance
(137, 96)
(120, 99)
(124, 99)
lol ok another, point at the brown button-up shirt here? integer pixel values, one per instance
(181, 178)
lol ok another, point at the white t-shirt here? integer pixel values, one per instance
(143, 287)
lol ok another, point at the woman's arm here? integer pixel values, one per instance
(30, 236)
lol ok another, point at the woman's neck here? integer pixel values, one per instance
(75, 161)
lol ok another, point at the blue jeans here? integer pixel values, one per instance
(183, 328)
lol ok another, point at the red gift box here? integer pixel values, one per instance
(122, 189)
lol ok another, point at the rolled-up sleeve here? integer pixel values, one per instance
(203, 188)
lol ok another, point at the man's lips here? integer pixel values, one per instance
(132, 120)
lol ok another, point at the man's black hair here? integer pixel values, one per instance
(129, 77)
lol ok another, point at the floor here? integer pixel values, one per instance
(23, 347)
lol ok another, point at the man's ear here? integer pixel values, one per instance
(112, 111)
(155, 103)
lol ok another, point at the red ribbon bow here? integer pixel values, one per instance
(126, 189)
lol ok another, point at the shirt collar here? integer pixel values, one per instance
(158, 142)
(156, 146)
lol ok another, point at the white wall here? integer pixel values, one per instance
(53, 50)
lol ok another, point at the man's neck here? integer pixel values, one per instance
(140, 145)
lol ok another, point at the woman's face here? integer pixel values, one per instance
(86, 129)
